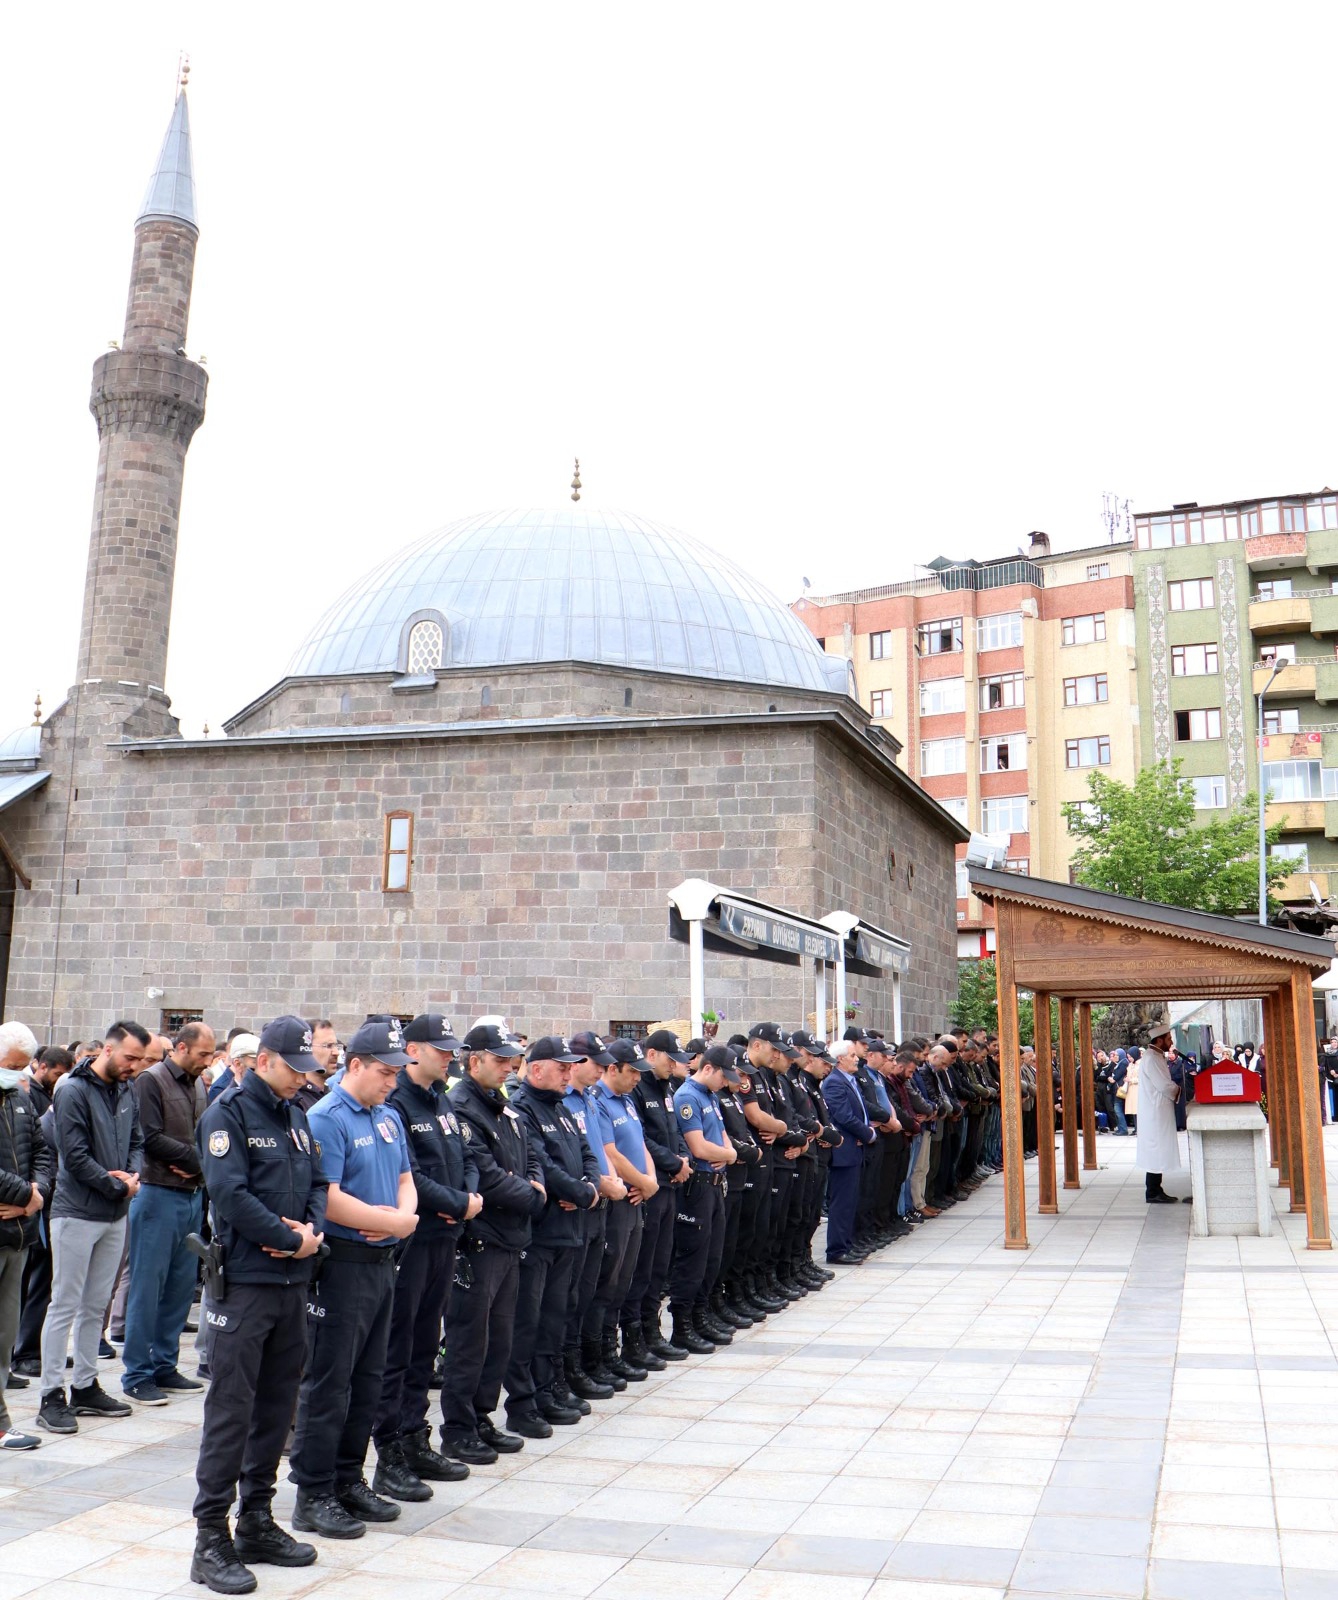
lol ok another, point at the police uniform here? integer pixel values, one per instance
(739, 1179)
(787, 1187)
(806, 1093)
(260, 1164)
(585, 1113)
(481, 1311)
(365, 1152)
(699, 1226)
(756, 1218)
(654, 1099)
(570, 1174)
(445, 1176)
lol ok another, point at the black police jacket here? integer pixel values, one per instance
(808, 1092)
(444, 1172)
(25, 1159)
(570, 1171)
(654, 1100)
(96, 1133)
(783, 1106)
(261, 1164)
(739, 1132)
(497, 1141)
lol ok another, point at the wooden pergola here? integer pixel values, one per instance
(1081, 947)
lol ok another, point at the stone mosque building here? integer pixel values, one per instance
(485, 769)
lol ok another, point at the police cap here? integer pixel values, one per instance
(489, 1039)
(552, 1048)
(592, 1047)
(290, 1038)
(431, 1028)
(667, 1041)
(379, 1041)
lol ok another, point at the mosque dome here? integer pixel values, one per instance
(22, 747)
(576, 584)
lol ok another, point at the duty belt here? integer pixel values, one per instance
(351, 1250)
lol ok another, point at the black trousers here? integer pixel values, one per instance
(421, 1289)
(651, 1272)
(542, 1296)
(870, 1174)
(36, 1299)
(480, 1327)
(756, 1218)
(260, 1340)
(730, 1244)
(622, 1242)
(699, 1237)
(802, 1217)
(348, 1326)
(585, 1274)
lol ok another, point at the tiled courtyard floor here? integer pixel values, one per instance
(1119, 1411)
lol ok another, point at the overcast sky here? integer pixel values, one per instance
(834, 288)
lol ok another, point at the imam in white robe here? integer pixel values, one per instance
(1158, 1148)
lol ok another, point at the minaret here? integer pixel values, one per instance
(148, 399)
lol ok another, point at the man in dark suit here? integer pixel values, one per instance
(845, 1106)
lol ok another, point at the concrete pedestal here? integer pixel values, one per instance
(1228, 1161)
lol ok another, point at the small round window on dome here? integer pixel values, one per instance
(425, 646)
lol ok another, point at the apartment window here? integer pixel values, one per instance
(1193, 660)
(955, 806)
(1329, 778)
(1297, 854)
(1209, 793)
(1018, 864)
(1006, 754)
(1270, 653)
(1191, 594)
(942, 695)
(395, 868)
(1206, 724)
(963, 881)
(1084, 630)
(1086, 691)
(880, 703)
(1098, 569)
(1002, 692)
(1093, 752)
(1274, 589)
(1293, 780)
(880, 645)
(942, 637)
(1001, 632)
(1004, 813)
(1282, 721)
(1089, 811)
(940, 756)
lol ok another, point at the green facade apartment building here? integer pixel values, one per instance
(1224, 595)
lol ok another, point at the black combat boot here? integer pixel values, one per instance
(636, 1350)
(260, 1538)
(658, 1345)
(686, 1338)
(581, 1383)
(216, 1564)
(724, 1313)
(593, 1352)
(617, 1364)
(563, 1395)
(394, 1477)
(426, 1463)
(714, 1332)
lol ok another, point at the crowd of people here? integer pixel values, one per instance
(503, 1220)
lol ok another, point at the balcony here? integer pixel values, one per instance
(1321, 550)
(1291, 615)
(1296, 816)
(1269, 550)
(1323, 612)
(1326, 681)
(1297, 886)
(1296, 677)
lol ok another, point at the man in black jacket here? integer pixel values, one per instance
(571, 1177)
(49, 1066)
(100, 1147)
(447, 1182)
(481, 1313)
(25, 1188)
(654, 1101)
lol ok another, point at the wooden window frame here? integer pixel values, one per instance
(386, 854)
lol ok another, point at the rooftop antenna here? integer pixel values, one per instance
(576, 481)
(1115, 515)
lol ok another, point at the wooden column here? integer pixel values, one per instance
(1290, 1087)
(1087, 1086)
(1045, 1108)
(1276, 1137)
(1277, 1085)
(1068, 1098)
(1310, 1129)
(1010, 1084)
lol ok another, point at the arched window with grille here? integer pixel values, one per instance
(426, 646)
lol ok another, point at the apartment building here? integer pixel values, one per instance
(1234, 601)
(1007, 682)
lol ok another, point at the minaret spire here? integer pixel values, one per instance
(171, 190)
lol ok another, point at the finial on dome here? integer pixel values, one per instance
(37, 712)
(576, 481)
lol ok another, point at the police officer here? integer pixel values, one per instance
(571, 1177)
(629, 1158)
(805, 1077)
(372, 1203)
(481, 1312)
(654, 1099)
(759, 1111)
(578, 1099)
(739, 1177)
(699, 1228)
(267, 1195)
(772, 1055)
(446, 1181)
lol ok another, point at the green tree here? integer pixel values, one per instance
(977, 1002)
(1145, 839)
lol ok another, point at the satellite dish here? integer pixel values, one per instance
(988, 850)
(1315, 895)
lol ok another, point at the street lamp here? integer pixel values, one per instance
(1263, 845)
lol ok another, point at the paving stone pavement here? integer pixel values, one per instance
(1121, 1411)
